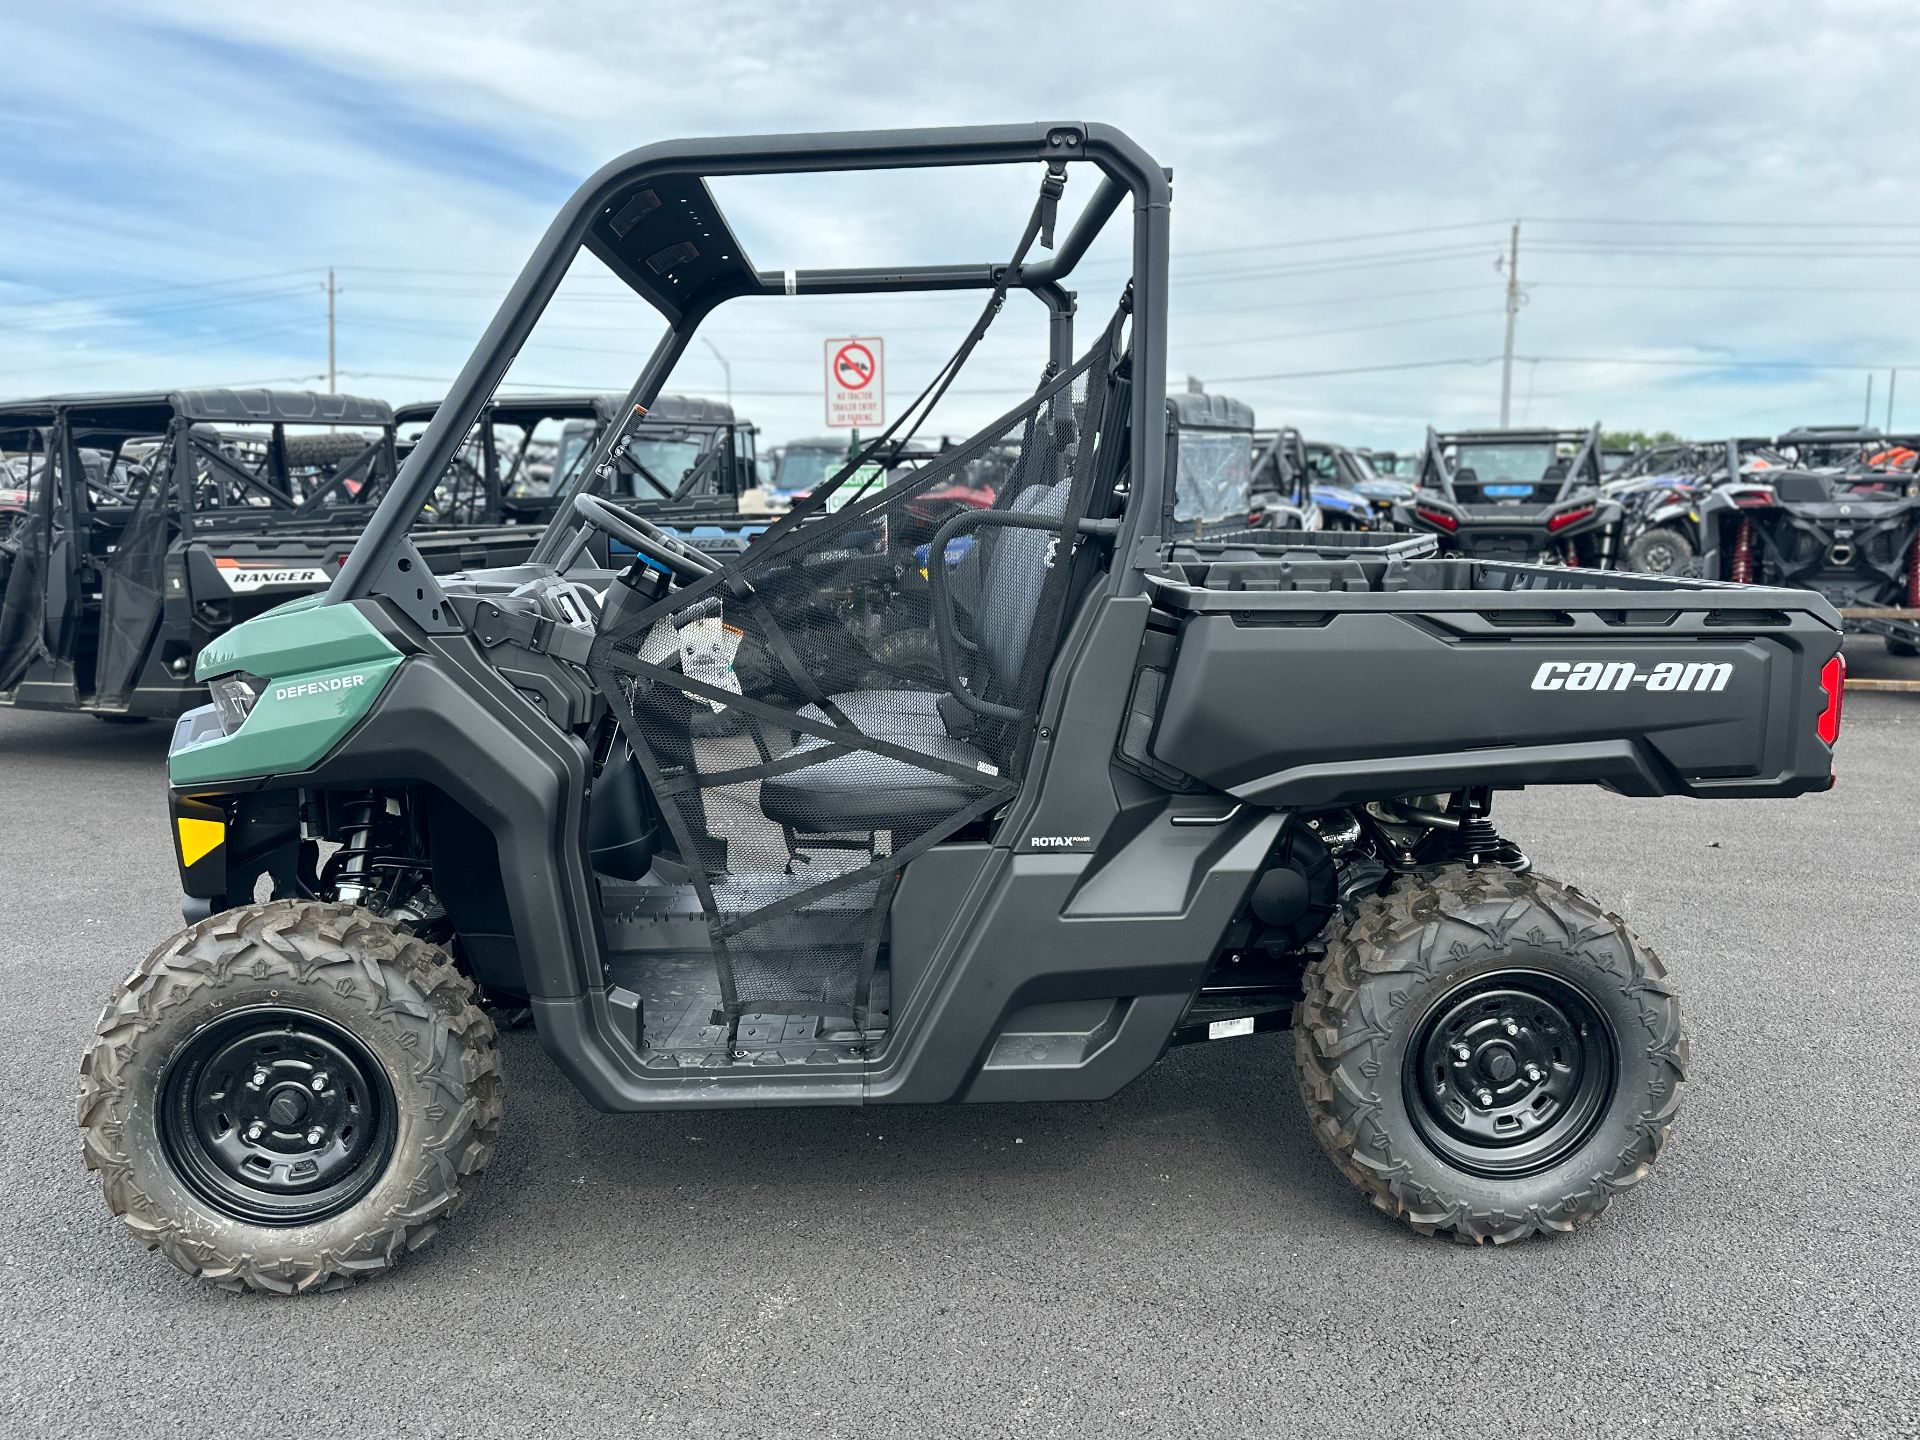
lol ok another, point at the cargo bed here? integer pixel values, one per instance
(1308, 680)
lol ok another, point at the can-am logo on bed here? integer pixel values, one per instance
(1692, 675)
(244, 578)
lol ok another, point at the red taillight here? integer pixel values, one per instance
(1568, 517)
(1754, 499)
(1438, 517)
(1833, 680)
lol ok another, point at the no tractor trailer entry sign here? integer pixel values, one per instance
(856, 383)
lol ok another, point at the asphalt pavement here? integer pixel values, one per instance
(1180, 1260)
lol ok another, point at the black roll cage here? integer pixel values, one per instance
(651, 218)
(1584, 471)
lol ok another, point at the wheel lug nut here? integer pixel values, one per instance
(1462, 1052)
(1507, 1025)
(1485, 1097)
(1535, 1074)
(319, 1082)
(256, 1130)
(316, 1135)
(259, 1079)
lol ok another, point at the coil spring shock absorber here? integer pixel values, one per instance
(1740, 571)
(349, 867)
(1476, 842)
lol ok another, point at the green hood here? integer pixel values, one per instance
(324, 665)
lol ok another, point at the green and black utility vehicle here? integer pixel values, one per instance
(159, 520)
(831, 823)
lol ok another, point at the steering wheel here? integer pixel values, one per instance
(645, 537)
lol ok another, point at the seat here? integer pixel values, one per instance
(861, 790)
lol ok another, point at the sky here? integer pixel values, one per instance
(1718, 202)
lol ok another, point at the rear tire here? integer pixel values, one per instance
(290, 1096)
(1659, 551)
(1426, 1098)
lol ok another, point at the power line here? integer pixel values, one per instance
(118, 317)
(1767, 224)
(1743, 289)
(1727, 363)
(1352, 370)
(1337, 330)
(137, 357)
(1291, 244)
(313, 270)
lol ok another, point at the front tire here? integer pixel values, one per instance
(1488, 1055)
(290, 1096)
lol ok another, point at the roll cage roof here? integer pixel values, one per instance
(603, 407)
(154, 410)
(651, 217)
(173, 417)
(1438, 472)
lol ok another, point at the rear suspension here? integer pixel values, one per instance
(1740, 569)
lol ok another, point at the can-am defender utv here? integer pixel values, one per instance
(1143, 795)
(1528, 495)
(1841, 518)
(161, 519)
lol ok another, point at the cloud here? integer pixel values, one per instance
(420, 149)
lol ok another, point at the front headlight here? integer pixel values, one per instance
(233, 697)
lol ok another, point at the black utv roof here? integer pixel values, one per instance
(1514, 437)
(1189, 411)
(231, 407)
(21, 422)
(520, 409)
(1830, 435)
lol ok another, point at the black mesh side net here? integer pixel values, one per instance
(23, 588)
(130, 598)
(851, 691)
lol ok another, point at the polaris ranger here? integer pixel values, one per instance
(1527, 495)
(730, 849)
(689, 455)
(1840, 517)
(159, 520)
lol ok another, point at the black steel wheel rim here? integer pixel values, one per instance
(1509, 1073)
(277, 1116)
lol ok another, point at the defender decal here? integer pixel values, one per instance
(1690, 675)
(318, 687)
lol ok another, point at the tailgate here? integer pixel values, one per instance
(1502, 675)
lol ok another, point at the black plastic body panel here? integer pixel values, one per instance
(1301, 700)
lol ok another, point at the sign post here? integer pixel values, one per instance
(856, 382)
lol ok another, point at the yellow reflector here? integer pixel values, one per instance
(199, 838)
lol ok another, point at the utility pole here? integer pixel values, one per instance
(1866, 419)
(1892, 375)
(332, 376)
(1514, 301)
